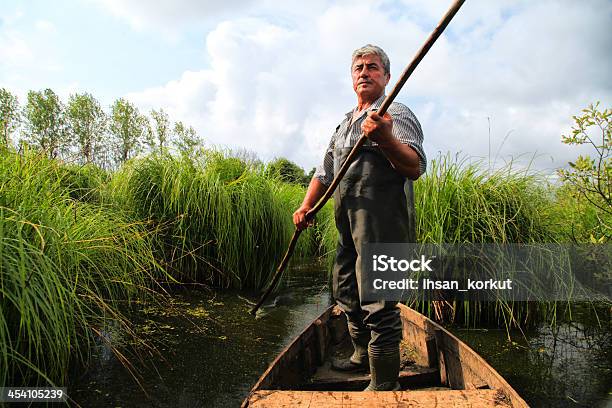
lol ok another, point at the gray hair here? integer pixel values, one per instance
(370, 49)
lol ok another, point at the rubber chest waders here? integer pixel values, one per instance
(370, 206)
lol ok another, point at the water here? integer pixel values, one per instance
(214, 351)
(568, 365)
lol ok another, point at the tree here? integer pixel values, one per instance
(45, 122)
(187, 139)
(310, 175)
(128, 127)
(287, 171)
(592, 177)
(161, 129)
(9, 115)
(87, 121)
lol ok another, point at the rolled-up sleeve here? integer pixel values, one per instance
(325, 171)
(407, 129)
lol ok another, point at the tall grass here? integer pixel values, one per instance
(218, 218)
(460, 202)
(83, 182)
(64, 267)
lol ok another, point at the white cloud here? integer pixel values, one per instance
(25, 50)
(14, 49)
(539, 66)
(259, 93)
(169, 17)
(280, 85)
(45, 26)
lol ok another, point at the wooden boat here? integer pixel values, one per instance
(438, 370)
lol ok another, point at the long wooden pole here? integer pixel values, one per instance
(381, 111)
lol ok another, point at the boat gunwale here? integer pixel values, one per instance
(517, 400)
(323, 317)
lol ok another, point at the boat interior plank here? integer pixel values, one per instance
(327, 379)
(421, 399)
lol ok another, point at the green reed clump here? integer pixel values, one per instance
(460, 202)
(218, 219)
(319, 239)
(83, 182)
(64, 268)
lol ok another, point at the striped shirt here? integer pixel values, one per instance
(406, 129)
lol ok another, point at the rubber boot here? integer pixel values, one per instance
(384, 369)
(358, 360)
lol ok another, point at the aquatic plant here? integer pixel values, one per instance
(461, 202)
(457, 201)
(65, 266)
(217, 218)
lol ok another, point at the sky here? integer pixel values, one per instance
(273, 77)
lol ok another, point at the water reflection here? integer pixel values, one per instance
(568, 365)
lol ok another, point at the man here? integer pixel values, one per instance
(370, 206)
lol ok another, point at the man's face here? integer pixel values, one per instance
(369, 77)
